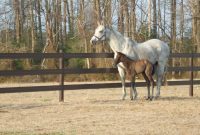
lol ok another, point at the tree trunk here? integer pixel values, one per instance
(173, 31)
(173, 24)
(68, 15)
(99, 16)
(126, 13)
(164, 20)
(149, 18)
(159, 20)
(108, 9)
(198, 25)
(39, 23)
(32, 27)
(22, 15)
(83, 30)
(49, 37)
(121, 17)
(154, 19)
(72, 17)
(181, 45)
(59, 23)
(65, 20)
(133, 20)
(17, 20)
(141, 15)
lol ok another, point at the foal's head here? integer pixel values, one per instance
(120, 58)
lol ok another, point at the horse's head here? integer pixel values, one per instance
(99, 35)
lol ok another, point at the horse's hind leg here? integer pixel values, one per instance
(160, 73)
(122, 76)
(152, 87)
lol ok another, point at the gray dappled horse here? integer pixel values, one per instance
(153, 50)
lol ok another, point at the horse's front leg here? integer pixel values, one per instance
(122, 74)
(133, 91)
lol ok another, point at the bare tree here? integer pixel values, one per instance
(164, 20)
(32, 27)
(121, 17)
(159, 19)
(173, 30)
(154, 19)
(182, 22)
(133, 19)
(173, 24)
(126, 13)
(16, 5)
(149, 18)
(49, 34)
(82, 29)
(39, 22)
(65, 20)
(72, 17)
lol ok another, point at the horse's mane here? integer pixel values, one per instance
(119, 35)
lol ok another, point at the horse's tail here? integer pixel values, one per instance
(154, 67)
(165, 83)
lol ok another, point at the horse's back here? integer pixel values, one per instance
(159, 47)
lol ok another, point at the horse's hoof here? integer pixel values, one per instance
(148, 98)
(123, 98)
(156, 97)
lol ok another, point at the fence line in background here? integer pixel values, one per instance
(62, 71)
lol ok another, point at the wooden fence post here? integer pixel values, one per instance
(61, 78)
(191, 76)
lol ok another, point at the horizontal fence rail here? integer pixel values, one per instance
(54, 55)
(62, 71)
(77, 55)
(85, 86)
(79, 71)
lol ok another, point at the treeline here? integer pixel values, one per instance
(49, 25)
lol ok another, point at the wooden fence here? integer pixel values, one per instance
(62, 71)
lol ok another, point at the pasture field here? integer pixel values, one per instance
(101, 112)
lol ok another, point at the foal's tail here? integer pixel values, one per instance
(154, 67)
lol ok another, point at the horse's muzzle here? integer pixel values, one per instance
(93, 42)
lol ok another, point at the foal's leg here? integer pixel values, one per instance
(122, 76)
(150, 78)
(133, 91)
(148, 85)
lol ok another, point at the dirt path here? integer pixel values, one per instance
(101, 112)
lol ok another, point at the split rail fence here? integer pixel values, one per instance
(62, 71)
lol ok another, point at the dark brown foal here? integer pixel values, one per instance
(134, 67)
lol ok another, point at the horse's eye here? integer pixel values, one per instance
(101, 31)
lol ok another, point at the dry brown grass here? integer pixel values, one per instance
(101, 112)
